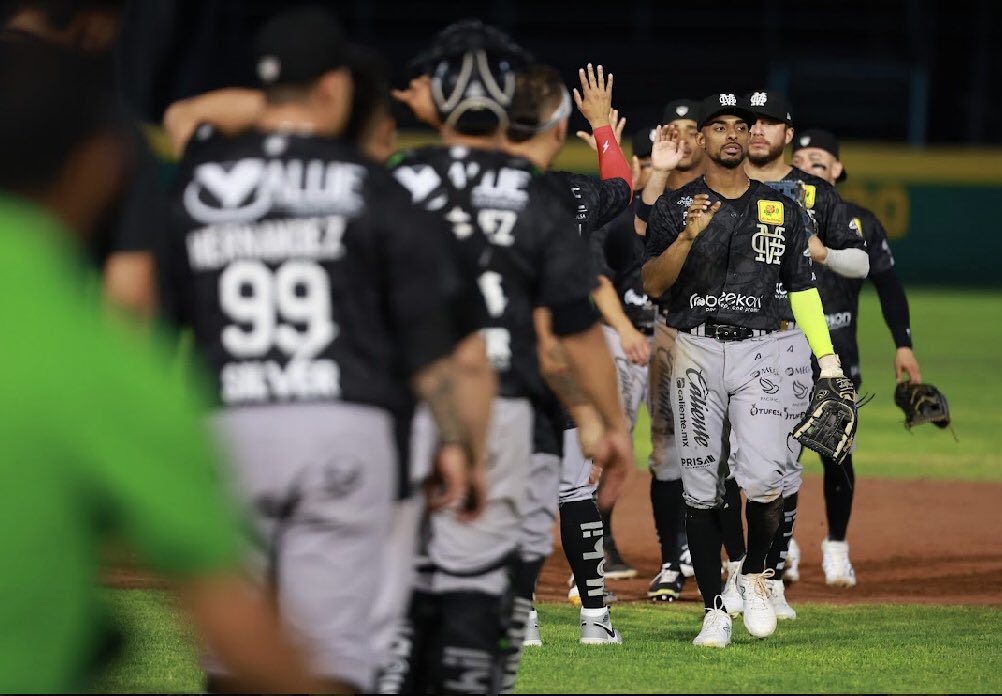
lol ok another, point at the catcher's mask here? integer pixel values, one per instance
(472, 67)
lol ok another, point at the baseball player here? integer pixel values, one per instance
(817, 152)
(669, 172)
(539, 116)
(835, 248)
(533, 256)
(314, 290)
(717, 249)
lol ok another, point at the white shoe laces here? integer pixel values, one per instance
(715, 616)
(760, 592)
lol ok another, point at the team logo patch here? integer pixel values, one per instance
(856, 226)
(771, 212)
(810, 193)
(805, 141)
(682, 110)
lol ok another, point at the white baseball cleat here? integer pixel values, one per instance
(716, 631)
(777, 593)
(791, 573)
(731, 596)
(597, 629)
(532, 636)
(835, 562)
(759, 615)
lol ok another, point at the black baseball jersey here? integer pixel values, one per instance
(840, 295)
(305, 272)
(830, 219)
(598, 201)
(623, 251)
(533, 255)
(753, 245)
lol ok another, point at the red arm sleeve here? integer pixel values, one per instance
(612, 162)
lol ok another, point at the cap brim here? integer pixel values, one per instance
(768, 114)
(746, 114)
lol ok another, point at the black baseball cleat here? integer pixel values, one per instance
(667, 585)
(615, 567)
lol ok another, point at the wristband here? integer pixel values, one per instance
(642, 210)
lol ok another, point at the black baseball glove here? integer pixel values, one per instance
(830, 424)
(922, 403)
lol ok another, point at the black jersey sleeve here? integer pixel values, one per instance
(842, 233)
(868, 226)
(663, 227)
(614, 197)
(566, 276)
(415, 258)
(796, 271)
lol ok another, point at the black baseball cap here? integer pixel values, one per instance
(299, 45)
(680, 108)
(821, 139)
(724, 103)
(771, 104)
(643, 142)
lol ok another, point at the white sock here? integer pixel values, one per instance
(592, 613)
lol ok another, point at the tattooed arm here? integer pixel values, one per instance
(459, 475)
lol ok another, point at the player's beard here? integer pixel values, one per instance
(775, 152)
(729, 162)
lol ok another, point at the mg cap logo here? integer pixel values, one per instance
(682, 110)
(805, 141)
(759, 99)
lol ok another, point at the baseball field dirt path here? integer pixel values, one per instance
(927, 541)
(910, 541)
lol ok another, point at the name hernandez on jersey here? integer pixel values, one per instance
(286, 257)
(533, 255)
(753, 245)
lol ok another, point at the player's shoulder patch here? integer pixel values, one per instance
(856, 225)
(810, 195)
(771, 212)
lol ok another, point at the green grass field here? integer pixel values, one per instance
(834, 649)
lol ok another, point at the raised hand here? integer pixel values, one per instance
(417, 97)
(595, 99)
(667, 150)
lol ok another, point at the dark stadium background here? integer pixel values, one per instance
(916, 71)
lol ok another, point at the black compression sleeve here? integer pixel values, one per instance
(894, 306)
(643, 210)
(573, 317)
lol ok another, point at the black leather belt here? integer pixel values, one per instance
(727, 332)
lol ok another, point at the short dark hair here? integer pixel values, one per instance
(51, 101)
(538, 91)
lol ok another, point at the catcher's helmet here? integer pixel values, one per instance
(472, 67)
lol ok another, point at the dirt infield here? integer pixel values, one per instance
(911, 541)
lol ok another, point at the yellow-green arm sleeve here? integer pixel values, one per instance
(810, 316)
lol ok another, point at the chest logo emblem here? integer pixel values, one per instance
(769, 245)
(771, 212)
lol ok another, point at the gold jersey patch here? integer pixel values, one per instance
(856, 226)
(810, 193)
(771, 212)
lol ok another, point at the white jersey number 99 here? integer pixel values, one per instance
(267, 306)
